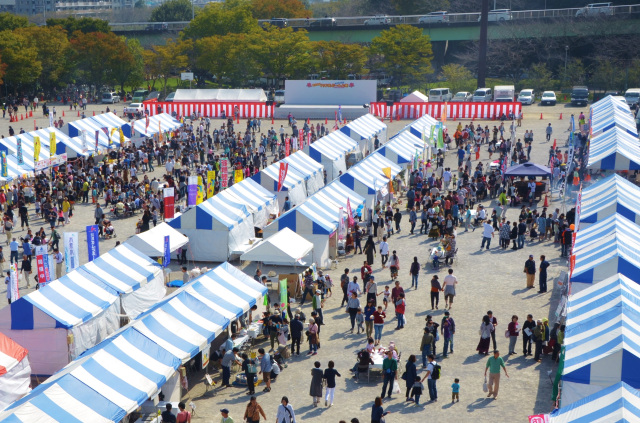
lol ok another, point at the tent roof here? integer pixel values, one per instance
(333, 146)
(614, 150)
(615, 253)
(226, 212)
(293, 178)
(11, 354)
(415, 97)
(612, 224)
(369, 172)
(421, 127)
(92, 125)
(248, 192)
(611, 192)
(608, 103)
(616, 403)
(26, 139)
(616, 119)
(163, 121)
(284, 247)
(304, 164)
(404, 145)
(608, 294)
(255, 94)
(151, 242)
(366, 127)
(528, 169)
(339, 194)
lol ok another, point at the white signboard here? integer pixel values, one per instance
(332, 93)
(186, 76)
(53, 161)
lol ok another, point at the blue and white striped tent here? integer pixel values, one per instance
(364, 130)
(602, 341)
(317, 219)
(609, 103)
(161, 121)
(609, 196)
(90, 125)
(614, 150)
(103, 386)
(614, 119)
(312, 170)
(616, 403)
(186, 323)
(86, 303)
(421, 127)
(228, 223)
(10, 145)
(294, 185)
(366, 178)
(615, 253)
(612, 224)
(402, 149)
(332, 150)
(259, 202)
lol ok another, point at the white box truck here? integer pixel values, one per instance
(504, 93)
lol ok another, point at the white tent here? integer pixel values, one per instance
(259, 201)
(151, 242)
(415, 97)
(312, 170)
(294, 185)
(617, 403)
(284, 248)
(236, 95)
(331, 151)
(364, 130)
(15, 372)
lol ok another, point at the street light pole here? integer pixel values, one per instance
(566, 53)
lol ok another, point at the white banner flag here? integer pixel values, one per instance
(71, 255)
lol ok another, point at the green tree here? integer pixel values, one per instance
(9, 21)
(129, 69)
(576, 73)
(229, 58)
(457, 77)
(282, 52)
(173, 11)
(162, 62)
(230, 17)
(540, 77)
(54, 50)
(404, 53)
(419, 7)
(20, 57)
(340, 59)
(100, 57)
(86, 25)
(3, 69)
(267, 9)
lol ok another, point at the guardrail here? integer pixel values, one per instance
(325, 23)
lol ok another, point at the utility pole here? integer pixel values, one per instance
(482, 48)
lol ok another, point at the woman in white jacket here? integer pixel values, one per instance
(285, 412)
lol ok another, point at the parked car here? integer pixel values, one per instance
(483, 94)
(440, 94)
(323, 22)
(498, 15)
(110, 98)
(133, 108)
(169, 97)
(548, 97)
(632, 96)
(462, 96)
(434, 17)
(279, 22)
(596, 9)
(579, 96)
(527, 96)
(378, 20)
(279, 97)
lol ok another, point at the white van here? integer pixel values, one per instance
(110, 98)
(440, 94)
(632, 96)
(483, 94)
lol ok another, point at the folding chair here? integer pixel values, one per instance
(362, 369)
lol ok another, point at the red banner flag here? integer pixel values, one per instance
(169, 203)
(287, 148)
(284, 168)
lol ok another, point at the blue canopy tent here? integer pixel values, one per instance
(402, 149)
(259, 201)
(312, 170)
(602, 340)
(90, 126)
(161, 121)
(228, 222)
(367, 179)
(615, 149)
(294, 185)
(615, 119)
(10, 146)
(609, 103)
(317, 219)
(605, 227)
(421, 128)
(364, 130)
(616, 403)
(528, 170)
(609, 196)
(86, 303)
(331, 151)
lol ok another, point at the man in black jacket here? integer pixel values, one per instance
(296, 327)
(526, 339)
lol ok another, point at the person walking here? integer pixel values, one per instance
(487, 233)
(315, 390)
(224, 412)
(390, 373)
(394, 265)
(413, 218)
(522, 231)
(370, 250)
(371, 288)
(377, 412)
(494, 322)
(527, 334)
(530, 271)
(485, 336)
(253, 411)
(409, 375)
(344, 284)
(447, 329)
(514, 331)
(452, 323)
(59, 260)
(450, 282)
(432, 378)
(352, 308)
(544, 264)
(369, 310)
(285, 413)
(295, 329)
(265, 368)
(425, 346)
(494, 364)
(414, 271)
(184, 416)
(384, 251)
(400, 310)
(329, 376)
(378, 324)
(549, 131)
(250, 369)
(435, 291)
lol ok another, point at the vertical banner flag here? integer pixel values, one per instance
(238, 176)
(97, 137)
(169, 206)
(113, 130)
(350, 220)
(50, 119)
(167, 252)
(36, 149)
(300, 139)
(13, 282)
(160, 131)
(444, 112)
(71, 255)
(121, 134)
(85, 144)
(287, 148)
(52, 144)
(224, 173)
(211, 183)
(192, 190)
(387, 173)
(3, 162)
(200, 196)
(282, 174)
(340, 113)
(342, 228)
(440, 136)
(93, 242)
(19, 151)
(283, 295)
(45, 265)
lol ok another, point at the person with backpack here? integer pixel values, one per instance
(433, 374)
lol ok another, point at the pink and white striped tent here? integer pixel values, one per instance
(15, 372)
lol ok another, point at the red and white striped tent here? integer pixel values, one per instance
(244, 110)
(492, 110)
(15, 372)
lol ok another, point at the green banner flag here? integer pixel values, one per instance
(283, 295)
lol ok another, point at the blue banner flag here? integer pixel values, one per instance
(93, 245)
(167, 252)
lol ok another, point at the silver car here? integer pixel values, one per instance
(434, 17)
(462, 96)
